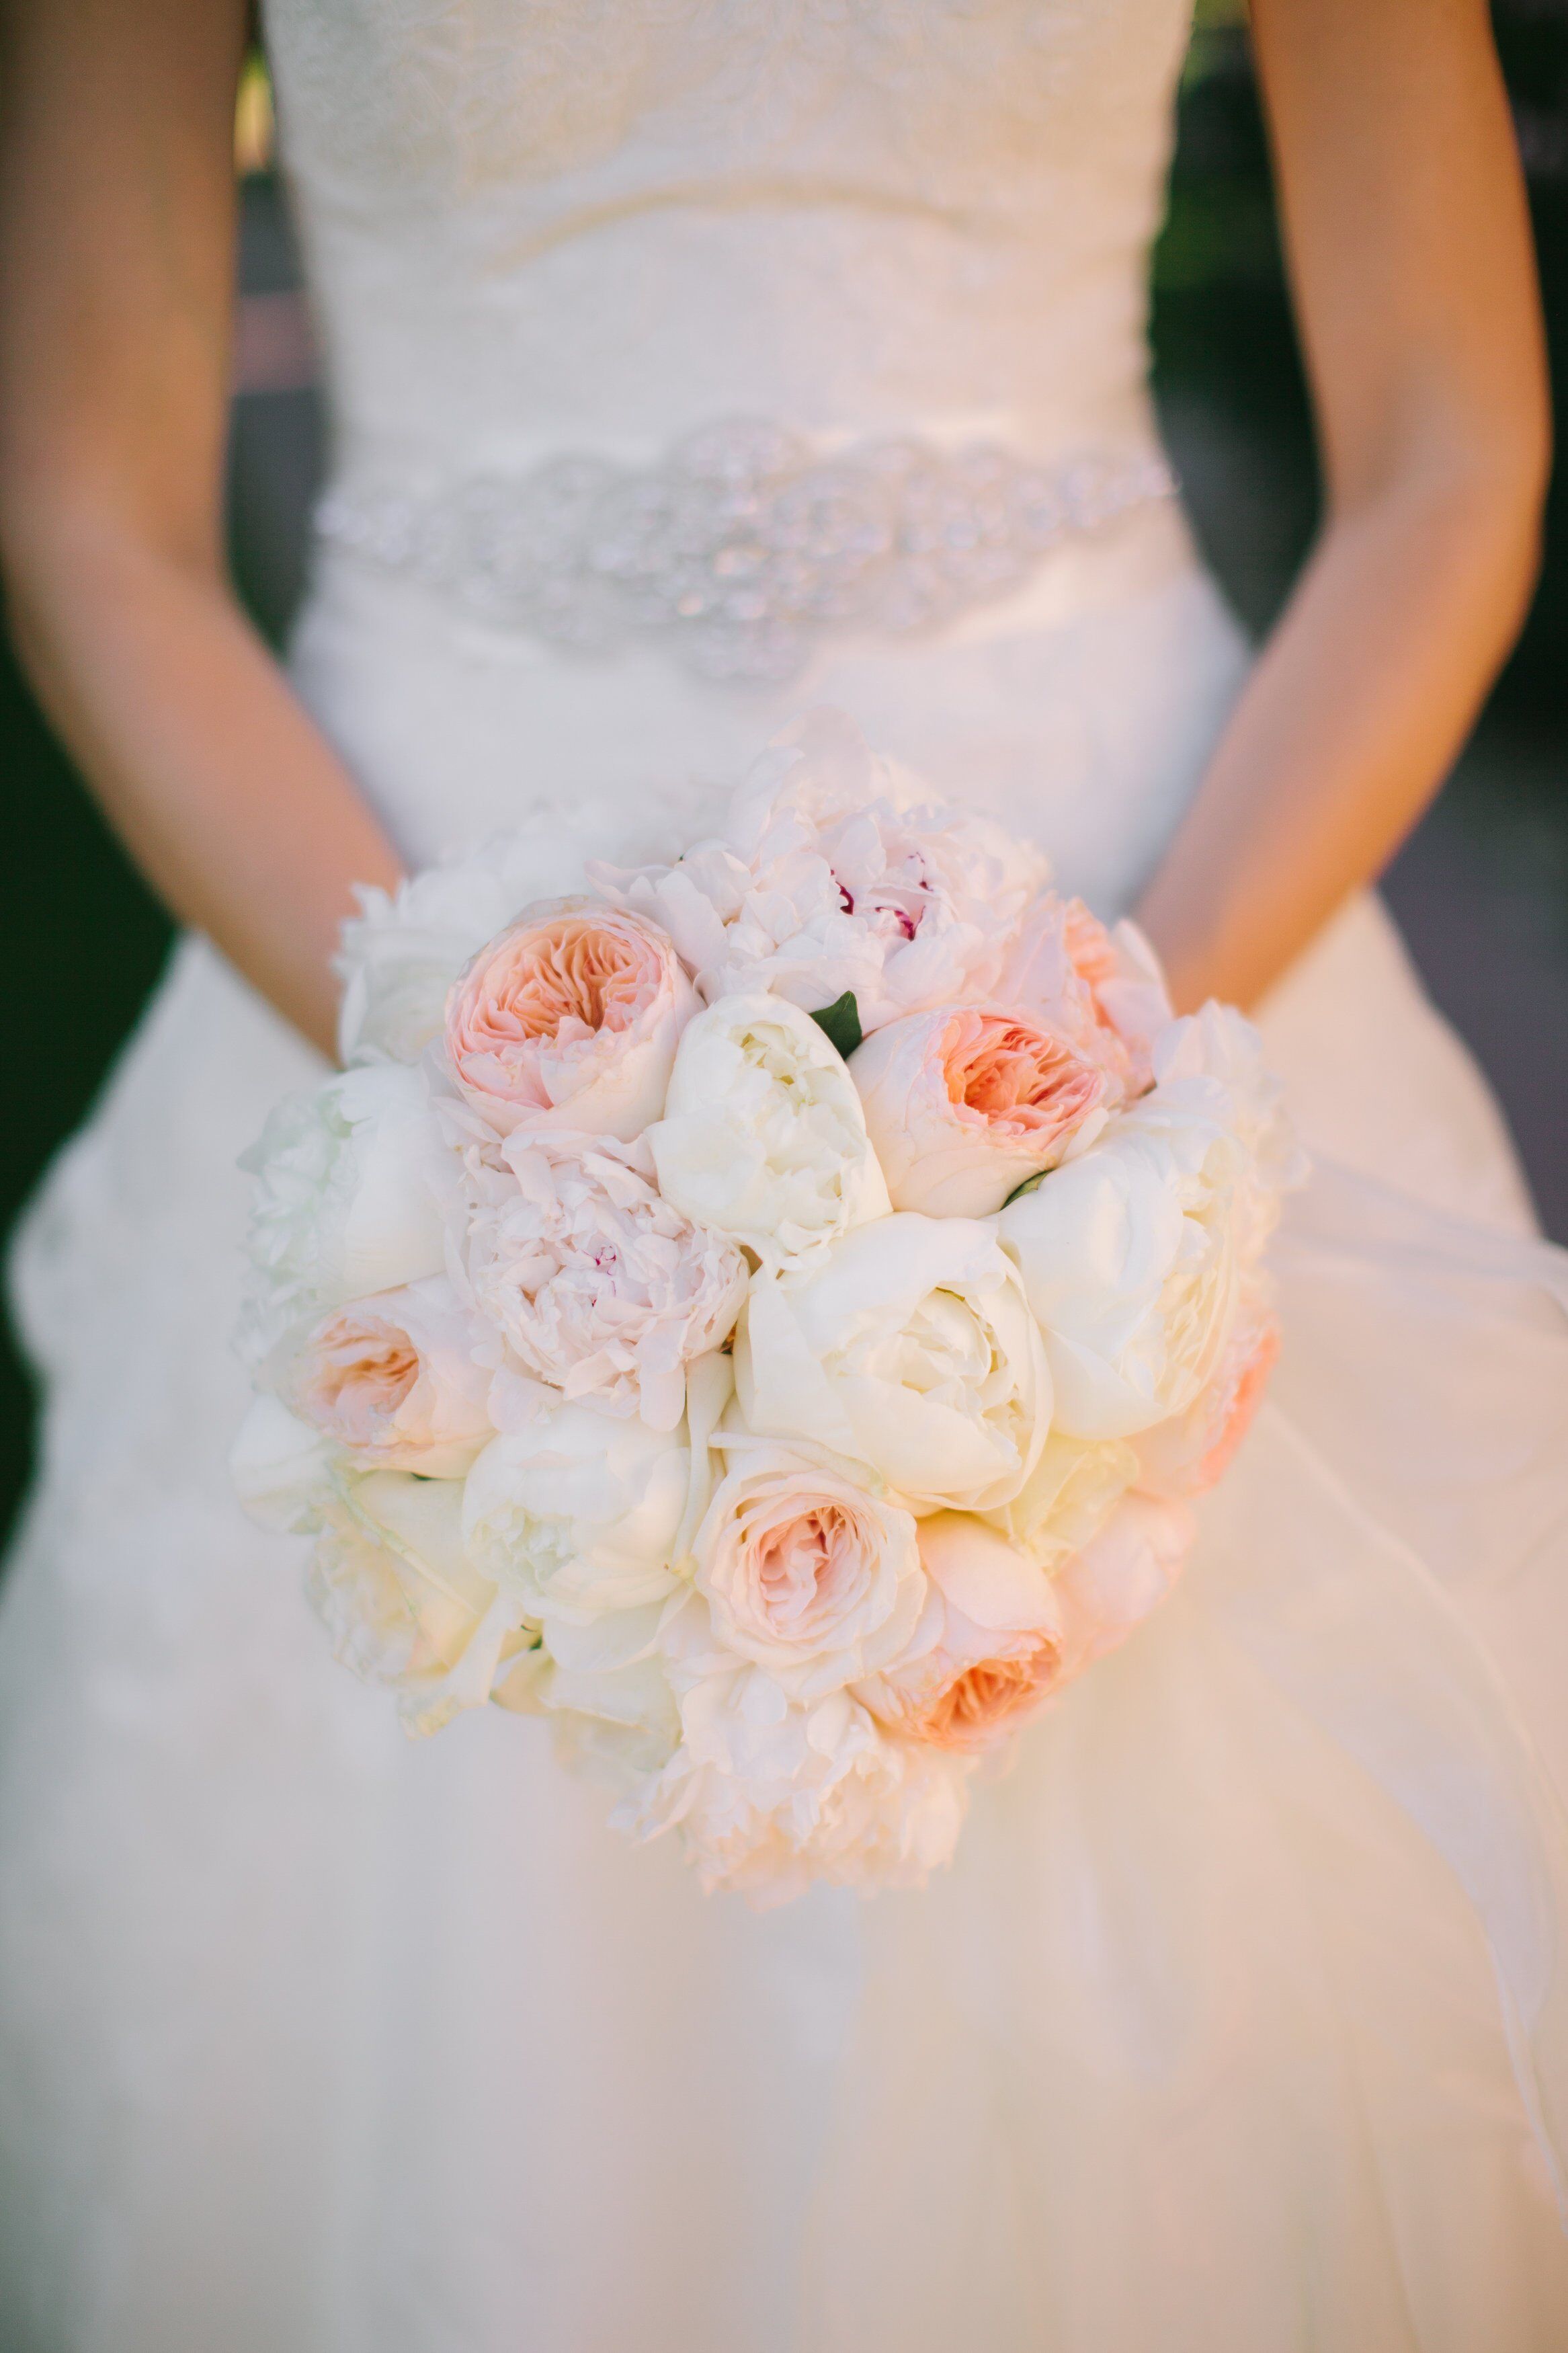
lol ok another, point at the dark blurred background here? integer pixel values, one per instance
(1481, 887)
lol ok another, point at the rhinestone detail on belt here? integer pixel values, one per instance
(745, 546)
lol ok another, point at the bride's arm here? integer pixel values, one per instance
(117, 208)
(1409, 248)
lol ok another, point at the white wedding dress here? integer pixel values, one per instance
(1240, 2024)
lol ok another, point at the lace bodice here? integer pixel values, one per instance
(690, 360)
(597, 223)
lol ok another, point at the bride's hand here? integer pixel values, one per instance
(1410, 254)
(117, 213)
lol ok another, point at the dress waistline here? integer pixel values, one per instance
(744, 547)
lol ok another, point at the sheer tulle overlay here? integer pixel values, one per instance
(1241, 2021)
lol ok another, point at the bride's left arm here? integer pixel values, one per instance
(1409, 250)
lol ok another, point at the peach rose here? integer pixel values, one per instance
(962, 1105)
(988, 1647)
(1108, 1590)
(1191, 1452)
(570, 1019)
(393, 1380)
(1102, 989)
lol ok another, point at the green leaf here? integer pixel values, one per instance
(840, 1023)
(1027, 1186)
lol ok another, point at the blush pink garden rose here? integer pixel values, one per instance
(599, 1287)
(1192, 1453)
(570, 1018)
(1100, 988)
(1105, 1593)
(804, 1570)
(988, 1647)
(964, 1103)
(393, 1380)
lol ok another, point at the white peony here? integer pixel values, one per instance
(578, 1512)
(763, 1136)
(910, 1350)
(768, 1794)
(1209, 1068)
(832, 874)
(283, 1471)
(1067, 1497)
(805, 1572)
(353, 1184)
(403, 1600)
(1132, 1255)
(599, 1287)
(603, 1686)
(1128, 1260)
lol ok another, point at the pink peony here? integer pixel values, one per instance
(1191, 1452)
(395, 1380)
(988, 1647)
(570, 1019)
(1102, 989)
(962, 1105)
(600, 1288)
(834, 873)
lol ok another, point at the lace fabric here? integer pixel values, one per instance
(536, 229)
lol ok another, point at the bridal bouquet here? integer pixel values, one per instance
(767, 1313)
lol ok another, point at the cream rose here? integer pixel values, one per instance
(598, 1286)
(909, 1350)
(988, 1646)
(393, 1380)
(353, 1186)
(762, 1137)
(578, 1512)
(965, 1103)
(570, 1019)
(804, 1571)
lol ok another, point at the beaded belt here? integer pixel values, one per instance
(745, 546)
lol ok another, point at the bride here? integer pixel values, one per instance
(1241, 2022)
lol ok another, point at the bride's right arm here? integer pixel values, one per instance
(117, 210)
